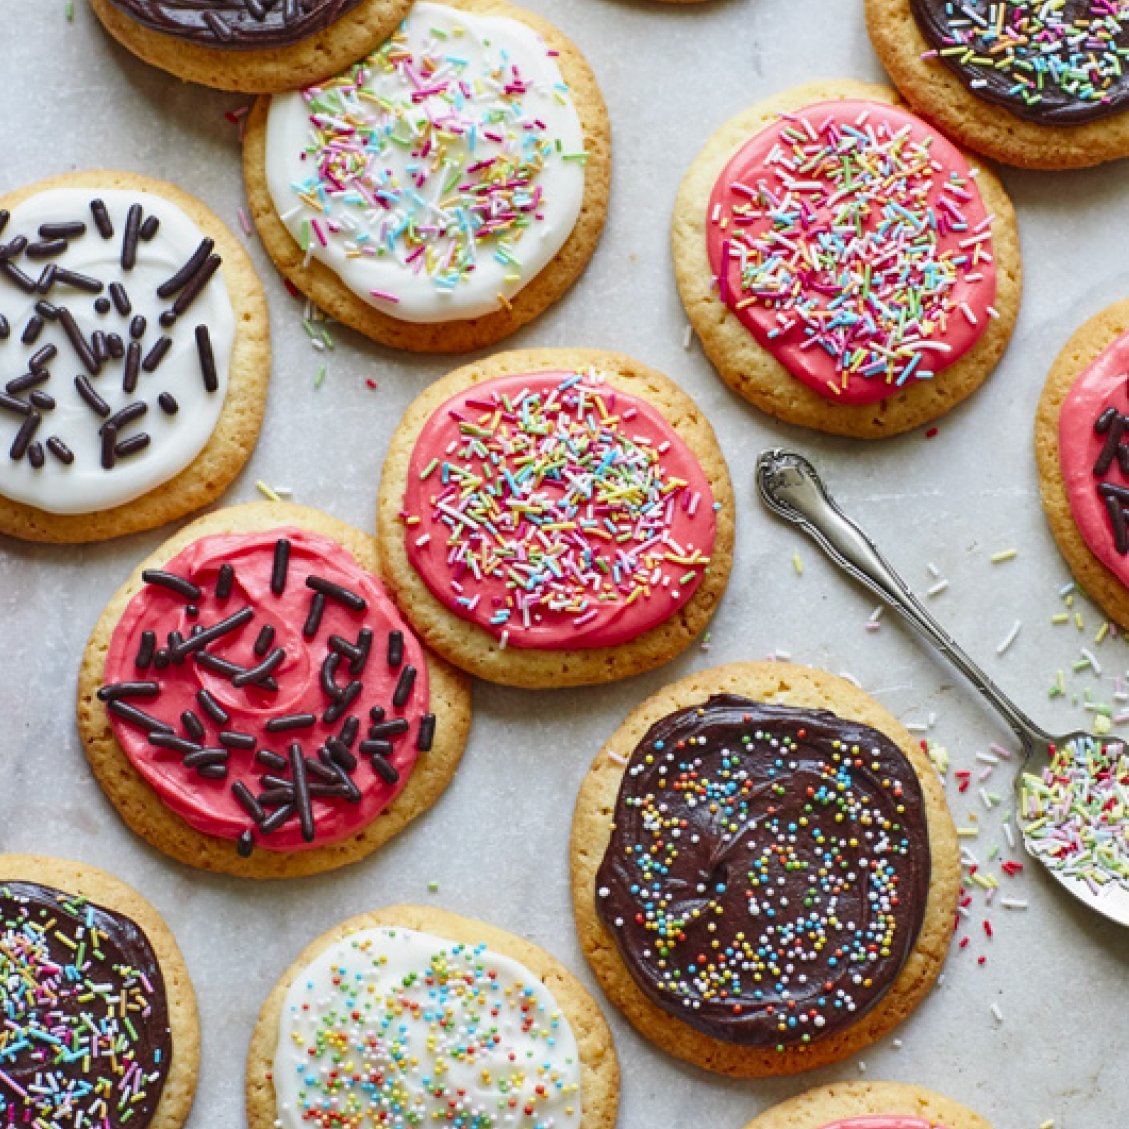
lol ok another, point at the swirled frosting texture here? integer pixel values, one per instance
(85, 1039)
(1057, 64)
(321, 741)
(556, 511)
(851, 240)
(393, 1027)
(438, 175)
(237, 24)
(768, 869)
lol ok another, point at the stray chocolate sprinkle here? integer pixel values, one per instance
(245, 845)
(102, 219)
(207, 359)
(181, 585)
(313, 619)
(212, 708)
(264, 639)
(336, 592)
(425, 738)
(60, 450)
(225, 578)
(86, 391)
(290, 721)
(280, 567)
(404, 686)
(129, 239)
(145, 650)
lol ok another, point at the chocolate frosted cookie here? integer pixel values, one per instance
(134, 356)
(556, 517)
(764, 869)
(436, 200)
(1026, 82)
(89, 967)
(1082, 452)
(250, 45)
(846, 267)
(869, 1105)
(488, 1029)
(252, 702)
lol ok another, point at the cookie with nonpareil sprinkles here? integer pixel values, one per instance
(134, 356)
(250, 45)
(443, 190)
(869, 1105)
(764, 871)
(846, 267)
(100, 1025)
(556, 517)
(485, 1029)
(1082, 452)
(252, 702)
(1043, 85)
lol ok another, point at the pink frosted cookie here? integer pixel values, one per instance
(1083, 456)
(556, 517)
(846, 267)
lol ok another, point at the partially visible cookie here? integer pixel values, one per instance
(252, 702)
(250, 45)
(1009, 78)
(764, 870)
(441, 217)
(134, 356)
(1082, 453)
(556, 517)
(845, 266)
(869, 1105)
(488, 1029)
(89, 966)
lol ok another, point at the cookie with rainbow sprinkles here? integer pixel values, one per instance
(252, 702)
(444, 189)
(100, 1024)
(250, 45)
(869, 1105)
(414, 1016)
(846, 267)
(764, 871)
(1022, 81)
(556, 517)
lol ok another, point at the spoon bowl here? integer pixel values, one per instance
(1092, 863)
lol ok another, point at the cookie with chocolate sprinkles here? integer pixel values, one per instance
(252, 46)
(764, 869)
(251, 701)
(89, 965)
(134, 356)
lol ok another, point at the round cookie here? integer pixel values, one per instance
(207, 749)
(156, 306)
(134, 959)
(523, 179)
(898, 345)
(1083, 488)
(461, 963)
(586, 609)
(248, 46)
(869, 1105)
(1019, 113)
(765, 994)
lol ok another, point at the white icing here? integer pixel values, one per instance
(469, 48)
(430, 1040)
(85, 486)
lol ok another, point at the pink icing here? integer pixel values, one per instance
(883, 1121)
(209, 805)
(1104, 385)
(854, 312)
(630, 512)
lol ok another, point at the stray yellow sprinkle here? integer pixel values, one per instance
(1061, 617)
(1078, 621)
(1102, 632)
(798, 564)
(1003, 555)
(1102, 724)
(266, 491)
(967, 832)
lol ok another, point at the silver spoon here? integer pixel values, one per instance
(789, 486)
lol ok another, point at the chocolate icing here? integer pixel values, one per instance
(733, 892)
(45, 990)
(1062, 67)
(237, 24)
